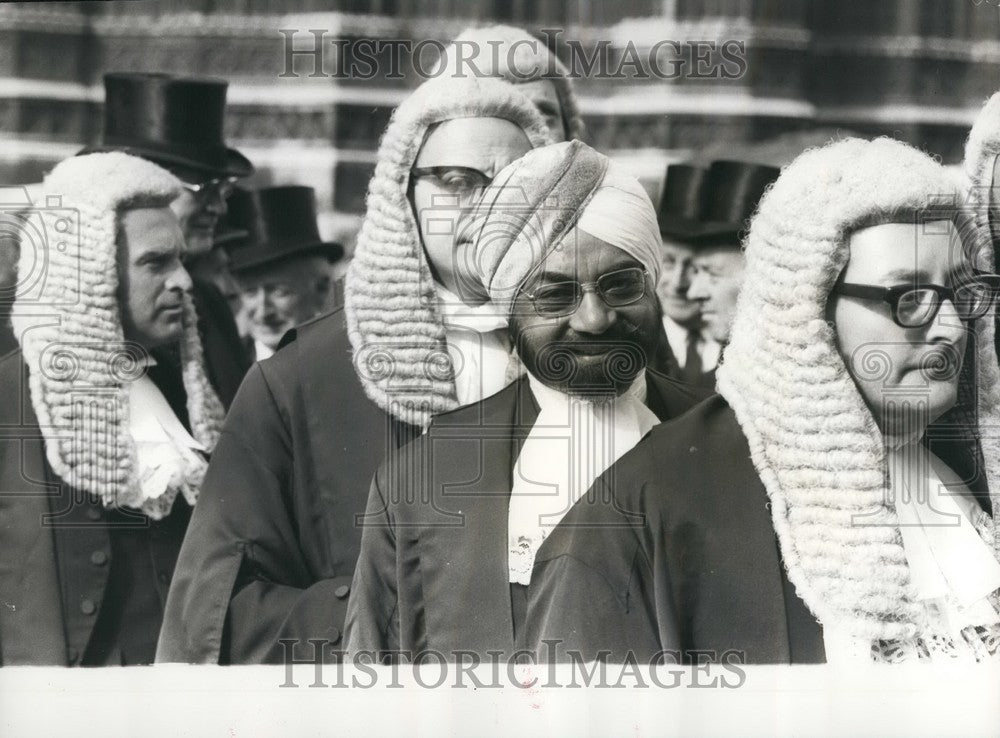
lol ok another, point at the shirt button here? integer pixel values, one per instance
(98, 558)
(334, 635)
(342, 591)
(94, 513)
(87, 607)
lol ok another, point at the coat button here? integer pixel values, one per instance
(87, 607)
(93, 513)
(162, 577)
(98, 558)
(334, 635)
(342, 591)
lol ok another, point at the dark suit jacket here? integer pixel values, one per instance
(79, 584)
(665, 361)
(226, 358)
(433, 567)
(272, 544)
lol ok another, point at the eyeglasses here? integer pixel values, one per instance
(617, 289)
(217, 187)
(460, 181)
(916, 305)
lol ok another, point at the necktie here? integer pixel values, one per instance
(692, 370)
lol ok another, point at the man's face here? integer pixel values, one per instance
(715, 285)
(199, 212)
(675, 279)
(542, 94)
(597, 349)
(280, 296)
(457, 160)
(899, 369)
(152, 280)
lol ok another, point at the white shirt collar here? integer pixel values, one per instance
(262, 351)
(677, 336)
(456, 314)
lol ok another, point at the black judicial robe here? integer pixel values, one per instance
(433, 568)
(707, 559)
(272, 545)
(80, 584)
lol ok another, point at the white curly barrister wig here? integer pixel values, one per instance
(79, 362)
(398, 337)
(981, 150)
(514, 55)
(812, 439)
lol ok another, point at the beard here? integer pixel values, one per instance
(599, 367)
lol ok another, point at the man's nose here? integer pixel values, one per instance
(946, 326)
(179, 279)
(593, 315)
(215, 203)
(697, 289)
(679, 278)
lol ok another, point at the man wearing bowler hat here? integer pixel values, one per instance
(282, 267)
(178, 124)
(702, 213)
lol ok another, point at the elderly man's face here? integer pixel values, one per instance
(199, 208)
(542, 94)
(902, 372)
(152, 280)
(280, 296)
(596, 349)
(715, 285)
(457, 160)
(675, 279)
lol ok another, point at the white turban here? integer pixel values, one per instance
(535, 201)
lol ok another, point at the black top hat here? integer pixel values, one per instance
(708, 205)
(172, 121)
(281, 223)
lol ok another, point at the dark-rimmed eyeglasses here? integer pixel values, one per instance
(216, 187)
(916, 305)
(617, 289)
(455, 180)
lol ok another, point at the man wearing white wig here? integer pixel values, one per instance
(982, 166)
(272, 548)
(519, 58)
(463, 544)
(835, 502)
(114, 418)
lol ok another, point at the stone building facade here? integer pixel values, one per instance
(914, 69)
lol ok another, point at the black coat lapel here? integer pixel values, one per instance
(464, 562)
(668, 398)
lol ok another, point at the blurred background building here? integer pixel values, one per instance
(914, 69)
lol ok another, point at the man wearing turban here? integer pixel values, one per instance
(271, 552)
(466, 527)
(836, 501)
(114, 417)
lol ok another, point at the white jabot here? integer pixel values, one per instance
(478, 345)
(571, 443)
(953, 570)
(677, 336)
(168, 459)
(262, 351)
